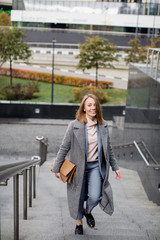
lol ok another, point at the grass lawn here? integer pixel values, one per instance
(116, 96)
(62, 94)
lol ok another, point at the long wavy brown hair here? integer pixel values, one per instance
(81, 115)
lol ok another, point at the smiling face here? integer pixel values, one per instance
(90, 108)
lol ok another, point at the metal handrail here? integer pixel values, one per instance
(123, 145)
(6, 166)
(156, 166)
(11, 172)
(140, 152)
(149, 153)
(21, 168)
(39, 138)
(14, 170)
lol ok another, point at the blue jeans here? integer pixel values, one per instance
(91, 188)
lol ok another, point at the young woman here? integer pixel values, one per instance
(87, 141)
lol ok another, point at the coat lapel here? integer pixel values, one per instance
(104, 137)
(79, 132)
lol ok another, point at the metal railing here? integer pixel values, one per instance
(21, 168)
(14, 170)
(70, 46)
(57, 45)
(153, 56)
(136, 156)
(143, 151)
(138, 146)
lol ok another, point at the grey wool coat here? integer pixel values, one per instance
(74, 144)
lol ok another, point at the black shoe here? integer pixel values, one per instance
(79, 230)
(90, 219)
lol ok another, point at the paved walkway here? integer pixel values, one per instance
(135, 217)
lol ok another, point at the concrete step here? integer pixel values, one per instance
(135, 217)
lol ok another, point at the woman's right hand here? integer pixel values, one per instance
(58, 176)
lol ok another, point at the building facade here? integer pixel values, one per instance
(5, 5)
(112, 16)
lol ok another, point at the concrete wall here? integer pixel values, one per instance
(129, 158)
(141, 123)
(148, 133)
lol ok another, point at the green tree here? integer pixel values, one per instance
(137, 53)
(96, 52)
(5, 19)
(155, 43)
(12, 47)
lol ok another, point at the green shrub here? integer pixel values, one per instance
(29, 90)
(78, 94)
(12, 93)
(19, 92)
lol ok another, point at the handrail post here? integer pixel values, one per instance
(41, 151)
(25, 194)
(16, 206)
(30, 187)
(34, 181)
(43, 143)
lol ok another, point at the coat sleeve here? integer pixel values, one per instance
(112, 160)
(63, 150)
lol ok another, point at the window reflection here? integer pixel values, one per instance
(93, 7)
(143, 96)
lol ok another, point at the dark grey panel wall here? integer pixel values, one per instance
(54, 111)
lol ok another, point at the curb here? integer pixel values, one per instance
(34, 121)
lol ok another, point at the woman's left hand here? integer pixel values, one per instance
(118, 174)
